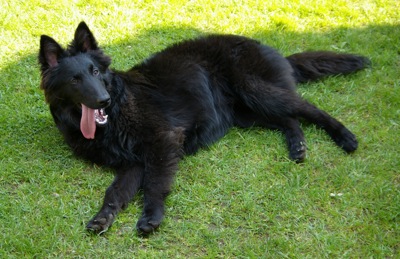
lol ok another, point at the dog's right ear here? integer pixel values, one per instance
(50, 52)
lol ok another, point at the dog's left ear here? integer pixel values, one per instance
(84, 40)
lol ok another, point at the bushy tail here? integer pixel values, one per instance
(310, 66)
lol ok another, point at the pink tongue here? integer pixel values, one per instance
(88, 124)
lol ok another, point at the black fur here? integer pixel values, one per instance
(179, 100)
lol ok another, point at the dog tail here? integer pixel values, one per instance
(310, 66)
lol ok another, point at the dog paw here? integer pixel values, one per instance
(147, 224)
(101, 222)
(297, 152)
(346, 140)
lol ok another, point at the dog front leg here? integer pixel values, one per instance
(160, 167)
(118, 194)
(156, 187)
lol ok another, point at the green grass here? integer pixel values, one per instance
(241, 198)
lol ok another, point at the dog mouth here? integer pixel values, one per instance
(91, 118)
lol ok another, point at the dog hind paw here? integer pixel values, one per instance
(297, 152)
(347, 141)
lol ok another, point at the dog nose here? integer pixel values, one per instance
(104, 102)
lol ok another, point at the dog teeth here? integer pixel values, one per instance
(100, 118)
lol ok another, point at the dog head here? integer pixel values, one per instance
(77, 76)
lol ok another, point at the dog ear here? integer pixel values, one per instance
(84, 39)
(50, 52)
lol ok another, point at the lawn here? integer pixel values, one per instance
(240, 198)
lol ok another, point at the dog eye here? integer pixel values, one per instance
(95, 71)
(74, 81)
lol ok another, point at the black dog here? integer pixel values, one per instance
(142, 121)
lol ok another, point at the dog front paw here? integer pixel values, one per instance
(101, 222)
(147, 224)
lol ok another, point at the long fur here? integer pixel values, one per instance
(177, 101)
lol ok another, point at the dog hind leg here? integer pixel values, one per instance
(280, 108)
(294, 139)
(343, 137)
(268, 106)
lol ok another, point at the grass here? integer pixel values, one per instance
(241, 198)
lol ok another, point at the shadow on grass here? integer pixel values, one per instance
(30, 142)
